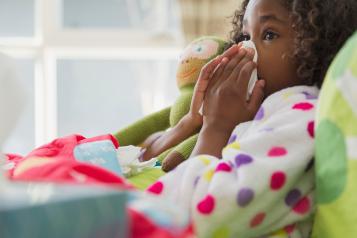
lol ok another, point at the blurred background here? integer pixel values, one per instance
(93, 66)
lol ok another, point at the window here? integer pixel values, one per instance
(90, 66)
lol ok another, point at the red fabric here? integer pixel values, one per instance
(70, 171)
(142, 227)
(62, 148)
(63, 167)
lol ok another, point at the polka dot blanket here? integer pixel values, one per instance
(263, 186)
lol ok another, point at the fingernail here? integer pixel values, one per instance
(262, 82)
(251, 51)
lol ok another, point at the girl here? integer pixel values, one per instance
(261, 182)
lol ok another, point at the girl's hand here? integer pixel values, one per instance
(207, 72)
(225, 104)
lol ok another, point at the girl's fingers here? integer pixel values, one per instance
(219, 61)
(208, 69)
(234, 62)
(216, 76)
(232, 51)
(244, 77)
(221, 70)
(198, 95)
(257, 96)
(202, 83)
(238, 67)
(238, 73)
(210, 75)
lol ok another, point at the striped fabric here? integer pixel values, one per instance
(207, 17)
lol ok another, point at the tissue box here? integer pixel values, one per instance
(42, 210)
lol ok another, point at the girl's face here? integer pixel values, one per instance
(267, 24)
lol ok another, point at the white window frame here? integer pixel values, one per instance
(51, 42)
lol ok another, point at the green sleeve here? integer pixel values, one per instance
(163, 155)
(184, 149)
(137, 132)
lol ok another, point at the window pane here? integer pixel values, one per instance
(22, 139)
(16, 18)
(141, 14)
(101, 96)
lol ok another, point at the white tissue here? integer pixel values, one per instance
(254, 76)
(128, 158)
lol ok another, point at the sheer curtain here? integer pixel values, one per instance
(207, 17)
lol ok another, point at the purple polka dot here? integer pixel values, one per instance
(243, 159)
(268, 129)
(293, 197)
(309, 96)
(260, 114)
(245, 196)
(195, 182)
(232, 139)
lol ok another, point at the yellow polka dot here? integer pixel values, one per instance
(287, 95)
(208, 175)
(205, 160)
(279, 233)
(234, 145)
(221, 232)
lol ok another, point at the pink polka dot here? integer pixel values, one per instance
(303, 106)
(290, 228)
(303, 206)
(277, 152)
(257, 220)
(311, 128)
(206, 206)
(156, 188)
(223, 167)
(277, 180)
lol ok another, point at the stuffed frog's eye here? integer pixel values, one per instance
(199, 49)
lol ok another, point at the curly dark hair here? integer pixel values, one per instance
(321, 27)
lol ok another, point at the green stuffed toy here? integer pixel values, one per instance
(193, 58)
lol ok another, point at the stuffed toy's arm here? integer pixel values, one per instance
(178, 154)
(137, 132)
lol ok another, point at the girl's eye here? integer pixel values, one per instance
(269, 35)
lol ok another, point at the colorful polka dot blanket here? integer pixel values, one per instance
(264, 184)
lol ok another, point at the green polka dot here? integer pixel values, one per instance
(334, 107)
(331, 162)
(221, 232)
(336, 219)
(346, 58)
